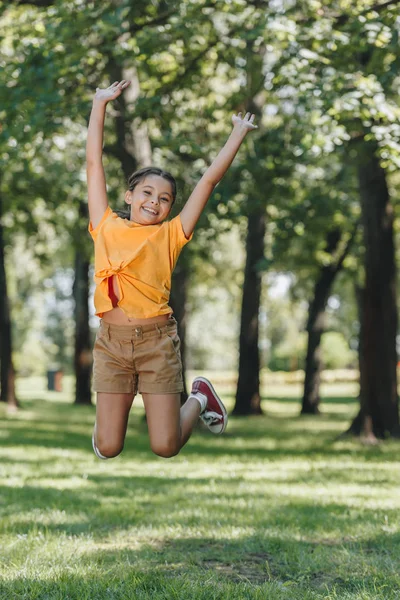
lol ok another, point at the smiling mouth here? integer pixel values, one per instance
(149, 210)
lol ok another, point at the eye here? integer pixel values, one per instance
(146, 192)
(165, 199)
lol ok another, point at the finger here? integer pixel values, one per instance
(114, 84)
(240, 115)
(247, 116)
(252, 118)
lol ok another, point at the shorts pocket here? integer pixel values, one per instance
(176, 342)
(100, 334)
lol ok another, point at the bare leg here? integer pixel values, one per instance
(112, 413)
(190, 413)
(170, 425)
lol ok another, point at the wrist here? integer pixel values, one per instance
(99, 104)
(239, 132)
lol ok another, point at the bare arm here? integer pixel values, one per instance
(96, 181)
(193, 208)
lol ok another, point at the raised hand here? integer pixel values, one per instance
(112, 92)
(244, 124)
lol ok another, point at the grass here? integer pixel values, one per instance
(276, 508)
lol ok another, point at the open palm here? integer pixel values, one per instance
(112, 92)
(244, 123)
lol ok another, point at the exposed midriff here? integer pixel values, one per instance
(116, 316)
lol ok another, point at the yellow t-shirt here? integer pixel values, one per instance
(142, 257)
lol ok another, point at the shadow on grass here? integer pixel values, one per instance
(117, 503)
(124, 519)
(205, 567)
(63, 427)
(258, 558)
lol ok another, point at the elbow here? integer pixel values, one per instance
(93, 163)
(210, 181)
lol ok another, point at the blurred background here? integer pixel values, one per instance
(291, 275)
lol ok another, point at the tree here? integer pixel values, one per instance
(348, 63)
(316, 319)
(7, 369)
(313, 237)
(379, 399)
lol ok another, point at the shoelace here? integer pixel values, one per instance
(211, 418)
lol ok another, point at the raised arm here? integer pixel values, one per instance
(96, 180)
(193, 208)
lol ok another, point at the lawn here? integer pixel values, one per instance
(276, 508)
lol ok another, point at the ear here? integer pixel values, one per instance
(128, 197)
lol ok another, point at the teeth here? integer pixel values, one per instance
(153, 212)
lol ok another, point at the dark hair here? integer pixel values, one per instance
(139, 176)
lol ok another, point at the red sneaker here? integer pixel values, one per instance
(214, 415)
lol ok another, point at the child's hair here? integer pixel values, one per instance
(140, 175)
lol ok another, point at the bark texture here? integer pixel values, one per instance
(248, 399)
(379, 399)
(7, 373)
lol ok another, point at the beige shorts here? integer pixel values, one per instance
(132, 358)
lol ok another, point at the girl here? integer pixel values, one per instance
(137, 344)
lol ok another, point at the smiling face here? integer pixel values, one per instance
(150, 200)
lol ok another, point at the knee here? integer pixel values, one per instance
(109, 449)
(166, 449)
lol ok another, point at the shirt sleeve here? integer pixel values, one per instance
(177, 238)
(95, 230)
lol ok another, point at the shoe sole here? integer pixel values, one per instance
(219, 402)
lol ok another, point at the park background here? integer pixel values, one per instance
(286, 298)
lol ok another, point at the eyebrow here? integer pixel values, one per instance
(150, 186)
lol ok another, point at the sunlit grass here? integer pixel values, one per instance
(279, 507)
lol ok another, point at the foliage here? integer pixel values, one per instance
(336, 353)
(285, 341)
(318, 74)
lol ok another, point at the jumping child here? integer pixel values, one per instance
(137, 348)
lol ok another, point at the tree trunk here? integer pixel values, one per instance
(7, 376)
(248, 399)
(379, 403)
(178, 305)
(316, 323)
(83, 350)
